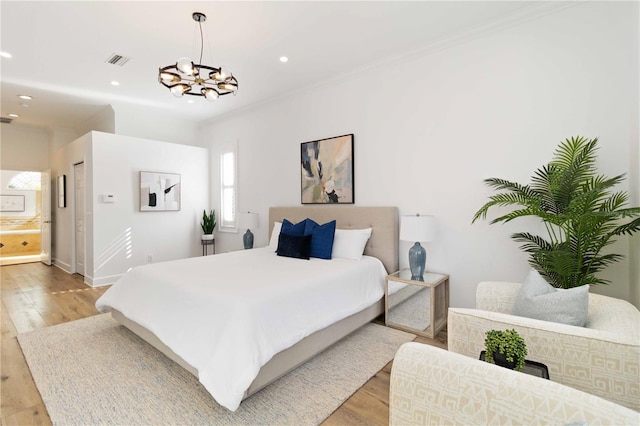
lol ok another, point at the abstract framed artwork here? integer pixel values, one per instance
(326, 171)
(159, 192)
(12, 203)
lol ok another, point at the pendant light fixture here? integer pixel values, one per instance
(187, 78)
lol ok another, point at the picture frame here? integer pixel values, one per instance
(61, 188)
(12, 203)
(326, 171)
(159, 191)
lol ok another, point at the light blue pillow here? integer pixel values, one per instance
(321, 238)
(540, 300)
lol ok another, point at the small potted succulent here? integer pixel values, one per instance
(505, 348)
(208, 224)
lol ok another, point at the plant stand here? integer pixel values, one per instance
(206, 244)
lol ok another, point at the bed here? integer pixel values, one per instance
(146, 302)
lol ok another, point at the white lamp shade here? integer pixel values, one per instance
(248, 220)
(417, 228)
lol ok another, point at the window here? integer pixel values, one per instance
(25, 180)
(228, 188)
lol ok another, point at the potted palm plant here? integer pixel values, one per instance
(579, 210)
(208, 224)
(505, 348)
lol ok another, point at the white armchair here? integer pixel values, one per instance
(602, 358)
(433, 386)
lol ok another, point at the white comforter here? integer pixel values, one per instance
(228, 314)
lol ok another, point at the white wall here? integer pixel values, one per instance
(103, 121)
(23, 148)
(152, 123)
(62, 162)
(634, 169)
(132, 120)
(496, 106)
(60, 136)
(119, 236)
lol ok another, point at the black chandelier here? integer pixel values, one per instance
(187, 78)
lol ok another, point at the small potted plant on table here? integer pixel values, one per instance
(505, 348)
(208, 224)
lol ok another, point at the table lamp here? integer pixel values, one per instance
(419, 229)
(248, 220)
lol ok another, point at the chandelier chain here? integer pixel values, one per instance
(201, 42)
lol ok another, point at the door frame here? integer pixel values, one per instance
(74, 259)
(46, 221)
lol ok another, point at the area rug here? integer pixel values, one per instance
(96, 372)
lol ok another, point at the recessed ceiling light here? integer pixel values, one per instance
(115, 83)
(12, 115)
(5, 54)
(24, 105)
(25, 97)
(284, 59)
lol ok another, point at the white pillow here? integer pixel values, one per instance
(273, 242)
(350, 243)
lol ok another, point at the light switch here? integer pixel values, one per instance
(108, 198)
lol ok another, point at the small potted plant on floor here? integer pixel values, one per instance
(208, 224)
(505, 348)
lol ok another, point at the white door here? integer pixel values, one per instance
(78, 174)
(45, 217)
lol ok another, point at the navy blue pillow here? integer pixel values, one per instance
(291, 229)
(294, 246)
(322, 241)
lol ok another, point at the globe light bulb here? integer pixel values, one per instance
(186, 66)
(210, 94)
(179, 89)
(223, 74)
(228, 86)
(169, 77)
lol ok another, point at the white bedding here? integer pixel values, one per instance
(228, 314)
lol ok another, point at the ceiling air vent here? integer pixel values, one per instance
(6, 120)
(116, 59)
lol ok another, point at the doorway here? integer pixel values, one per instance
(20, 217)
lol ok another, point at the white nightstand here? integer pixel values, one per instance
(419, 307)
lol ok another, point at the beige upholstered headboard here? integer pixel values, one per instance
(383, 243)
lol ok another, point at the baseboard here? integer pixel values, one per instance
(16, 260)
(88, 279)
(62, 265)
(101, 281)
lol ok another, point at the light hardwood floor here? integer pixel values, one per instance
(35, 296)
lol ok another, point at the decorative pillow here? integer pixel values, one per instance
(322, 238)
(293, 229)
(273, 242)
(540, 300)
(294, 246)
(350, 243)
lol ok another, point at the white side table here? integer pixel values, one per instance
(418, 307)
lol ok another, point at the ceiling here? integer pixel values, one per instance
(59, 49)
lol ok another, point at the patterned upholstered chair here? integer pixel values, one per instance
(602, 358)
(433, 386)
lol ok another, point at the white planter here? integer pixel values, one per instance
(207, 237)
